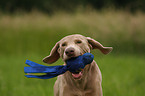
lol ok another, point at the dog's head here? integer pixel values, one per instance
(73, 46)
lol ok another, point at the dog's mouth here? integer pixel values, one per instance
(77, 75)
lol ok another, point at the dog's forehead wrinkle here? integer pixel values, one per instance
(72, 38)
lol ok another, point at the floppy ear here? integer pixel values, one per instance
(54, 55)
(96, 45)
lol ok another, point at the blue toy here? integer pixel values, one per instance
(74, 65)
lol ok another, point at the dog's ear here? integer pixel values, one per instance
(96, 45)
(54, 55)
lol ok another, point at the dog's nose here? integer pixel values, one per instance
(70, 51)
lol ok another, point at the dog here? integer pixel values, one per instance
(88, 81)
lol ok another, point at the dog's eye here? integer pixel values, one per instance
(64, 44)
(78, 41)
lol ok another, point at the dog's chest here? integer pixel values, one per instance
(82, 92)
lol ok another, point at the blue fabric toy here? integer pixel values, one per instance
(74, 65)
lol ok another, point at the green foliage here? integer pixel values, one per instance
(38, 33)
(51, 6)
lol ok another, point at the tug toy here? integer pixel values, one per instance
(74, 65)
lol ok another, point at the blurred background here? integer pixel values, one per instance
(30, 28)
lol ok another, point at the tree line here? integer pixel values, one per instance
(50, 6)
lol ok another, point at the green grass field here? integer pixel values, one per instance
(32, 35)
(122, 76)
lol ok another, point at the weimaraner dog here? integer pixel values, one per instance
(88, 81)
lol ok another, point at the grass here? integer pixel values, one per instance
(32, 36)
(122, 76)
(112, 28)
